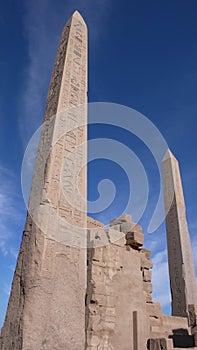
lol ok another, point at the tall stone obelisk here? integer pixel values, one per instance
(181, 266)
(47, 303)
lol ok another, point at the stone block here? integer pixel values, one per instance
(147, 287)
(134, 239)
(138, 228)
(121, 242)
(154, 309)
(148, 297)
(146, 263)
(192, 309)
(173, 322)
(97, 254)
(116, 227)
(92, 223)
(120, 220)
(147, 275)
(114, 235)
(146, 252)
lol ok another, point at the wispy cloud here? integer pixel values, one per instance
(6, 288)
(3, 248)
(9, 210)
(161, 291)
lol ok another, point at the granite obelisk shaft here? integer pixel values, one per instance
(181, 266)
(47, 303)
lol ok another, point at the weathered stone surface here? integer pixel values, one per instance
(129, 227)
(146, 252)
(154, 309)
(135, 239)
(122, 219)
(46, 308)
(147, 275)
(148, 297)
(192, 309)
(92, 223)
(160, 344)
(181, 267)
(146, 263)
(104, 236)
(171, 323)
(115, 290)
(147, 287)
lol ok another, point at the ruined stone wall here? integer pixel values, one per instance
(118, 285)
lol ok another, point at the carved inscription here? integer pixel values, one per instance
(181, 266)
(68, 153)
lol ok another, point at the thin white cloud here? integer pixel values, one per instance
(9, 196)
(9, 210)
(6, 289)
(3, 248)
(160, 257)
(161, 291)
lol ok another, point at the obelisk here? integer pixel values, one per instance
(47, 303)
(181, 266)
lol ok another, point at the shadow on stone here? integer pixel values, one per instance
(182, 339)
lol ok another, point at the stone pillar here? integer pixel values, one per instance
(181, 266)
(47, 303)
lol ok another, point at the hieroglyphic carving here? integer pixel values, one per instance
(68, 154)
(49, 285)
(72, 94)
(175, 267)
(181, 267)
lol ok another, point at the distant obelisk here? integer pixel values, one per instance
(46, 309)
(181, 266)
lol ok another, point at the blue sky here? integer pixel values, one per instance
(143, 55)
